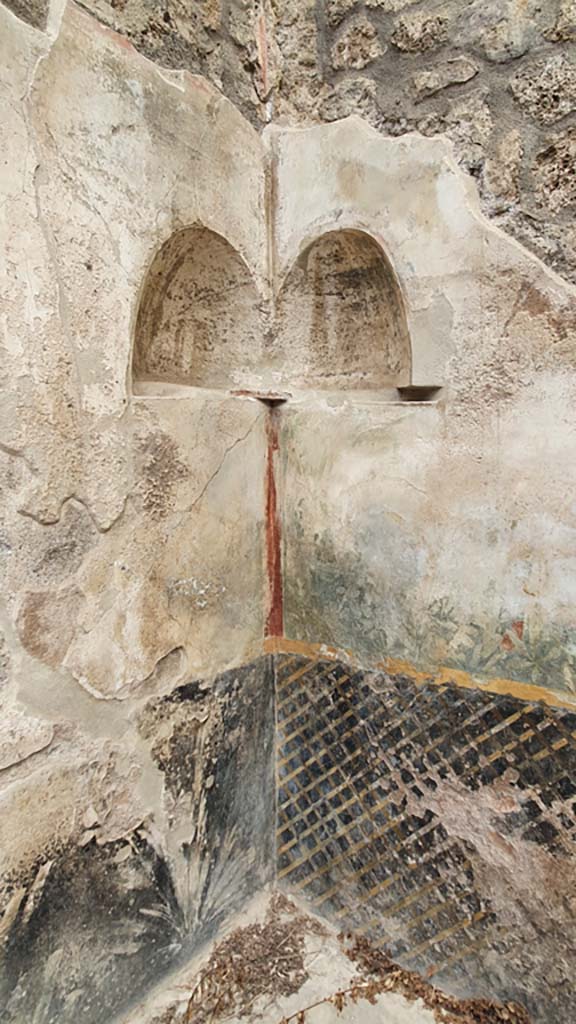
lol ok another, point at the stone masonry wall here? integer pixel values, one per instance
(497, 76)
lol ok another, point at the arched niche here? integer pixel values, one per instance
(198, 321)
(340, 317)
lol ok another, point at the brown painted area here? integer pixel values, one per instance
(275, 617)
(262, 43)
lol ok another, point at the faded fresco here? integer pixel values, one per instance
(437, 821)
(346, 602)
(92, 922)
(168, 274)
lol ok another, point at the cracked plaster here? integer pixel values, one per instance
(113, 503)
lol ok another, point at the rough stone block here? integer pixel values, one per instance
(565, 28)
(336, 10)
(547, 89)
(451, 72)
(357, 46)
(419, 32)
(350, 96)
(390, 6)
(503, 30)
(502, 169)
(555, 172)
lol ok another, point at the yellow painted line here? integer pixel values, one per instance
(400, 905)
(334, 813)
(366, 811)
(467, 951)
(359, 844)
(281, 645)
(441, 676)
(336, 768)
(285, 662)
(286, 721)
(381, 885)
(508, 747)
(284, 760)
(503, 687)
(430, 913)
(446, 934)
(301, 710)
(434, 911)
(283, 683)
(559, 745)
(366, 868)
(317, 756)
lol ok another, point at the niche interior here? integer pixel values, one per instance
(339, 320)
(341, 317)
(198, 323)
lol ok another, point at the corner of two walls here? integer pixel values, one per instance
(433, 533)
(430, 534)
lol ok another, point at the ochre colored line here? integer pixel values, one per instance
(430, 912)
(322, 821)
(413, 922)
(401, 905)
(284, 664)
(305, 764)
(303, 709)
(467, 951)
(366, 868)
(381, 886)
(295, 714)
(446, 933)
(351, 849)
(280, 645)
(548, 752)
(318, 872)
(376, 808)
(502, 687)
(440, 677)
(336, 768)
(296, 675)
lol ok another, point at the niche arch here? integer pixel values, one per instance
(341, 318)
(198, 321)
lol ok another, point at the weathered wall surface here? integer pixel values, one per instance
(118, 897)
(131, 536)
(438, 532)
(496, 76)
(438, 821)
(126, 567)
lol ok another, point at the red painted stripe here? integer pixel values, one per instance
(275, 617)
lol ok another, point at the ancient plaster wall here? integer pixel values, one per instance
(340, 321)
(495, 76)
(126, 567)
(438, 821)
(438, 532)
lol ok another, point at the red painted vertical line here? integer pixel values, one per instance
(275, 617)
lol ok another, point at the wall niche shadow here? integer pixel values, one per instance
(199, 320)
(341, 322)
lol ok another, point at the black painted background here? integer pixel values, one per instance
(111, 920)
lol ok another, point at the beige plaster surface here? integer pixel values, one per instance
(131, 524)
(328, 971)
